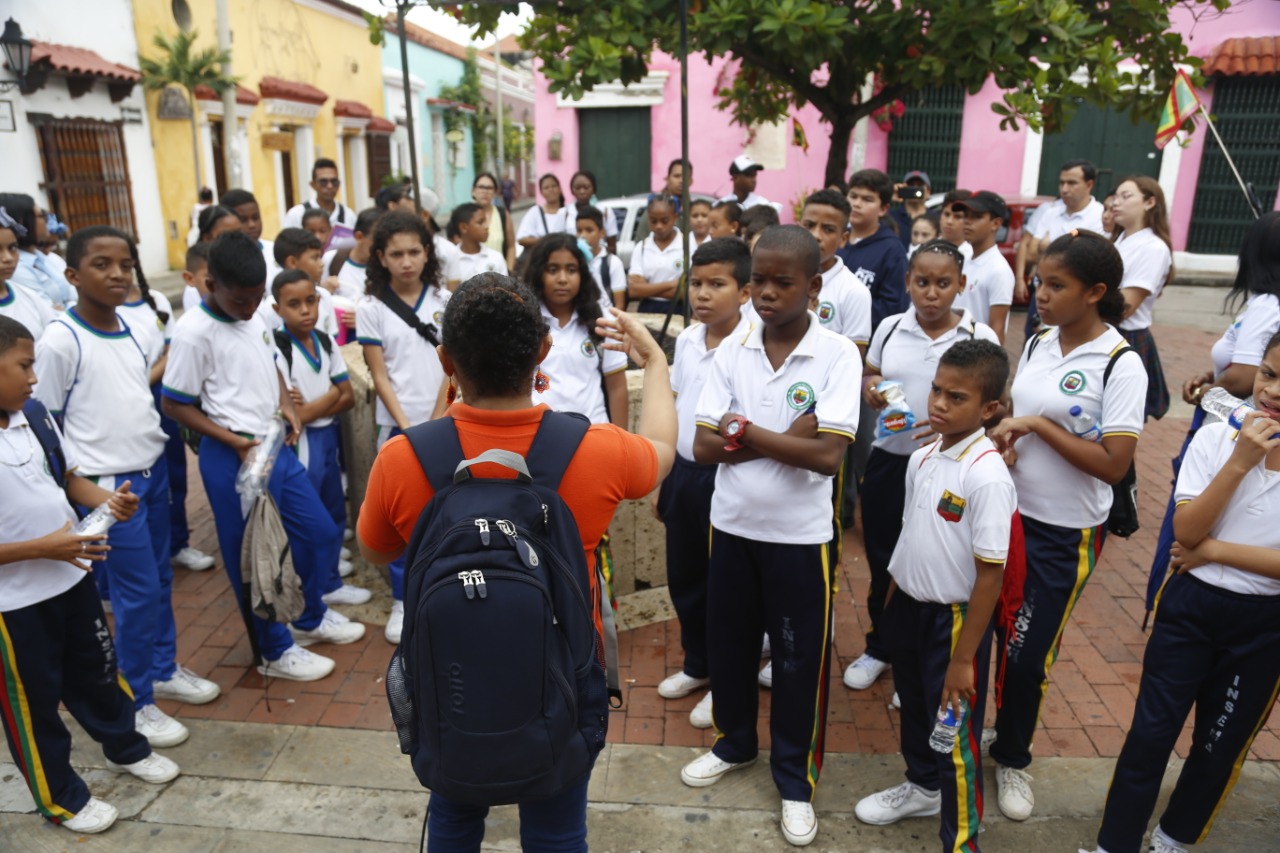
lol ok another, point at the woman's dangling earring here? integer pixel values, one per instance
(452, 393)
(540, 381)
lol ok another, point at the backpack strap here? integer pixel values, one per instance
(75, 377)
(554, 445)
(1120, 350)
(41, 423)
(338, 261)
(438, 449)
(326, 342)
(285, 345)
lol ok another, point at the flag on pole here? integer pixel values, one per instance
(1180, 105)
(798, 137)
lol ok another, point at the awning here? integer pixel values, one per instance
(1241, 57)
(243, 96)
(291, 90)
(80, 62)
(351, 109)
(378, 124)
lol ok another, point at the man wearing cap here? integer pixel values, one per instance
(988, 291)
(744, 170)
(903, 215)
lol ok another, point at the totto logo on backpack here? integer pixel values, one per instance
(498, 687)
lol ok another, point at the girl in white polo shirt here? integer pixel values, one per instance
(1216, 640)
(27, 307)
(658, 263)
(553, 216)
(1142, 237)
(906, 348)
(1063, 479)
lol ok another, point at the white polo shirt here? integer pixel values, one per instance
(412, 363)
(1050, 489)
(190, 298)
(29, 308)
(311, 375)
(576, 370)
(764, 499)
(32, 505)
(690, 370)
(1249, 518)
(99, 383)
(146, 325)
(341, 215)
(1245, 342)
(1056, 221)
(901, 350)
(464, 266)
(658, 265)
(350, 277)
(959, 505)
(1146, 266)
(844, 304)
(227, 365)
(750, 201)
(988, 282)
(326, 319)
(538, 223)
(617, 275)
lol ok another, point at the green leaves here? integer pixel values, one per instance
(178, 62)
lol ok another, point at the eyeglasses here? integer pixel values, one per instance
(329, 182)
(487, 188)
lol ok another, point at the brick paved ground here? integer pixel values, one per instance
(1089, 705)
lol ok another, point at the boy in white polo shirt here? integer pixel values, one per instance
(606, 268)
(844, 305)
(989, 291)
(471, 223)
(780, 408)
(946, 570)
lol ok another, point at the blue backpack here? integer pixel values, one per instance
(498, 688)
(41, 423)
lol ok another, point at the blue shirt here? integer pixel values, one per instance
(33, 274)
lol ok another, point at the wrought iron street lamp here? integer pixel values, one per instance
(17, 54)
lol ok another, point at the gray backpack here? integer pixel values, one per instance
(266, 564)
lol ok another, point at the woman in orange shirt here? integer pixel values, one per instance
(611, 465)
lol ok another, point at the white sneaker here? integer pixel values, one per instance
(347, 533)
(345, 554)
(1016, 800)
(155, 768)
(700, 716)
(863, 672)
(186, 686)
(988, 738)
(680, 685)
(894, 804)
(95, 817)
(192, 560)
(799, 824)
(707, 769)
(895, 703)
(333, 628)
(347, 594)
(766, 675)
(159, 728)
(298, 664)
(1161, 843)
(395, 623)
(345, 568)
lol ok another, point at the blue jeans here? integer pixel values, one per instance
(556, 825)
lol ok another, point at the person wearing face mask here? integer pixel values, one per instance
(583, 187)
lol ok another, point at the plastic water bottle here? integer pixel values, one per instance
(1084, 424)
(96, 523)
(946, 731)
(255, 471)
(1226, 406)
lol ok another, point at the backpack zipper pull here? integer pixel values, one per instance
(483, 524)
(546, 519)
(478, 577)
(468, 585)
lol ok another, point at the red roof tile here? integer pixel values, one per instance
(351, 109)
(1245, 56)
(80, 62)
(428, 39)
(291, 90)
(510, 44)
(243, 95)
(378, 124)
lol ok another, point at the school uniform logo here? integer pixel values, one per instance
(1072, 383)
(800, 396)
(265, 339)
(866, 276)
(588, 349)
(436, 317)
(950, 506)
(826, 312)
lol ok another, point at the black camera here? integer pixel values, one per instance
(907, 193)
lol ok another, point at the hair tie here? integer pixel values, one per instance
(7, 221)
(1074, 232)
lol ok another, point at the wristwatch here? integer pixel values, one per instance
(734, 431)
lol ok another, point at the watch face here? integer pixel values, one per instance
(733, 428)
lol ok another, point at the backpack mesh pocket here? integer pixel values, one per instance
(400, 697)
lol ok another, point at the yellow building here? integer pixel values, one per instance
(310, 87)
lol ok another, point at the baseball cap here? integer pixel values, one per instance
(985, 201)
(911, 176)
(742, 164)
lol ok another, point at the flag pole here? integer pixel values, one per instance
(1248, 197)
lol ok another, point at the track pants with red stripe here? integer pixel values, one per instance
(920, 637)
(60, 650)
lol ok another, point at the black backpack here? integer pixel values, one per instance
(284, 343)
(498, 688)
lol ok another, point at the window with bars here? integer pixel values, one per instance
(1246, 112)
(86, 172)
(927, 136)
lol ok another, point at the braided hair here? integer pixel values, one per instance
(938, 246)
(1093, 259)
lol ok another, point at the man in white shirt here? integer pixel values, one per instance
(325, 183)
(744, 171)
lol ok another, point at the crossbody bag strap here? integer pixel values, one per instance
(402, 310)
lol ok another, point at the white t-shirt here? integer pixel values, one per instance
(901, 350)
(988, 283)
(313, 375)
(464, 266)
(341, 215)
(538, 223)
(268, 248)
(28, 308)
(576, 371)
(326, 319)
(617, 275)
(658, 265)
(227, 365)
(1050, 489)
(412, 363)
(1056, 221)
(1250, 514)
(844, 304)
(1146, 265)
(350, 278)
(1245, 342)
(750, 201)
(190, 298)
(959, 505)
(145, 322)
(32, 505)
(690, 370)
(764, 499)
(98, 381)
(445, 251)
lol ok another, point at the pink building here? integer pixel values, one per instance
(628, 135)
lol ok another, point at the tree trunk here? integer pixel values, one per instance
(838, 156)
(195, 141)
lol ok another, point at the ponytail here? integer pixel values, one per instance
(1094, 260)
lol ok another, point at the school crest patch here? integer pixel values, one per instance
(950, 506)
(436, 317)
(589, 349)
(1072, 383)
(800, 396)
(826, 312)
(265, 339)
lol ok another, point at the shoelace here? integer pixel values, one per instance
(895, 797)
(1017, 780)
(792, 810)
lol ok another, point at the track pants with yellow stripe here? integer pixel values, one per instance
(920, 637)
(60, 650)
(1059, 562)
(785, 591)
(1218, 651)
